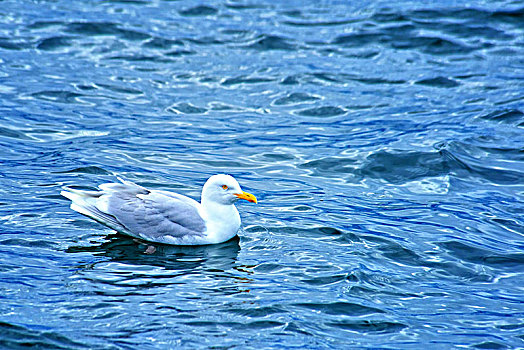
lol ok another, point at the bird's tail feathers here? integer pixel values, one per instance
(85, 203)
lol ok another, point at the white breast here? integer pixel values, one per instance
(222, 222)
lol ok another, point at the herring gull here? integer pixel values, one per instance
(162, 216)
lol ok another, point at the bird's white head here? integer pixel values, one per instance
(224, 189)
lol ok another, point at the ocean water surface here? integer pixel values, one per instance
(384, 140)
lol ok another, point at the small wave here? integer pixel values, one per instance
(441, 82)
(186, 108)
(59, 96)
(272, 42)
(509, 116)
(369, 326)
(8, 44)
(17, 336)
(15, 134)
(179, 53)
(341, 308)
(245, 80)
(201, 10)
(86, 170)
(326, 280)
(473, 14)
(481, 256)
(37, 25)
(318, 23)
(140, 58)
(325, 111)
(162, 43)
(255, 312)
(120, 89)
(295, 98)
(105, 28)
(54, 43)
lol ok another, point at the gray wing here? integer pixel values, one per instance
(134, 210)
(151, 214)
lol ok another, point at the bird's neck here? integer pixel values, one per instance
(223, 221)
(219, 212)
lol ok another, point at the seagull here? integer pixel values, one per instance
(162, 216)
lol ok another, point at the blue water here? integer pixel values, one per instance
(384, 141)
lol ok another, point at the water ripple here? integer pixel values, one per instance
(384, 142)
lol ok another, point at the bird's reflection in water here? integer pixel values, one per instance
(184, 259)
(118, 276)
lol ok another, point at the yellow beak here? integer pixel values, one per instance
(247, 196)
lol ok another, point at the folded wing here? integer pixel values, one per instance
(136, 211)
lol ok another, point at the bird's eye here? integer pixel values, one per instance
(224, 187)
